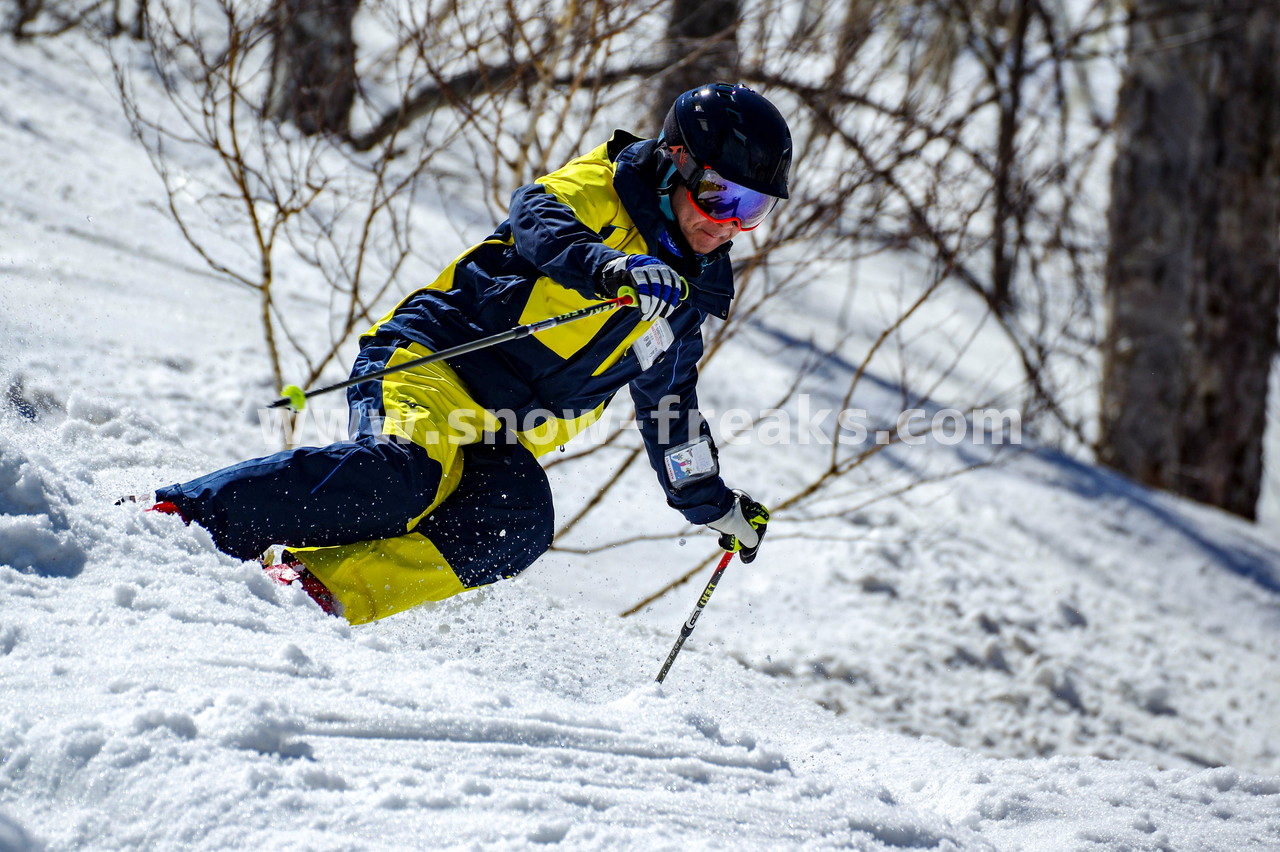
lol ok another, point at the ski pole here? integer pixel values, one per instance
(296, 398)
(693, 616)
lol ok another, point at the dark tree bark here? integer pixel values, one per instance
(1149, 267)
(702, 47)
(313, 72)
(1193, 274)
(138, 29)
(27, 11)
(1237, 250)
(1007, 201)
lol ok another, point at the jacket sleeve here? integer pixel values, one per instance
(557, 223)
(667, 413)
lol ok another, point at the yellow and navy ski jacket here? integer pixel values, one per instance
(545, 260)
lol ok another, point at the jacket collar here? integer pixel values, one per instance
(636, 179)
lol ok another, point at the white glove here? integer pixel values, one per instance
(654, 287)
(743, 527)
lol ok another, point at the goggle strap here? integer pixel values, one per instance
(684, 163)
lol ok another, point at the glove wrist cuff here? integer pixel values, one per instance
(734, 523)
(612, 277)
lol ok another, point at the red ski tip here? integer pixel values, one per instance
(164, 507)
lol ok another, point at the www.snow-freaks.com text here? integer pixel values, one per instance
(801, 423)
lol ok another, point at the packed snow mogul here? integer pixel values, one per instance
(439, 489)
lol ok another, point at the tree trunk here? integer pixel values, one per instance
(1237, 263)
(1149, 265)
(1008, 201)
(1193, 285)
(313, 72)
(702, 47)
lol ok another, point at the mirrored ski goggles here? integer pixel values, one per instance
(721, 200)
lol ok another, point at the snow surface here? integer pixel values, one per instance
(1036, 655)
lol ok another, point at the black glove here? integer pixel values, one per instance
(743, 526)
(654, 287)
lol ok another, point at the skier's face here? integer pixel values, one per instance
(703, 235)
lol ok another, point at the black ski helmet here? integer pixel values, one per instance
(735, 131)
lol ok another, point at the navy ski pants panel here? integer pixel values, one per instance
(499, 520)
(496, 523)
(368, 488)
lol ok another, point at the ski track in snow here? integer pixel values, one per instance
(157, 694)
(205, 707)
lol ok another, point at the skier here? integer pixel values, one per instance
(438, 490)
